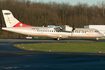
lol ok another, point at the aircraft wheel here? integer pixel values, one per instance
(58, 38)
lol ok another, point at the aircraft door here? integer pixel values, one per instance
(30, 31)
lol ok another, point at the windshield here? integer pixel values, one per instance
(96, 31)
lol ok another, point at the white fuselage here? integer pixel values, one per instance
(51, 32)
(13, 25)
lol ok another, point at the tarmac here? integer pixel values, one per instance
(12, 58)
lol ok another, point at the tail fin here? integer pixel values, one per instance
(11, 21)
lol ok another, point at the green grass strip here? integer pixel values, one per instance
(64, 47)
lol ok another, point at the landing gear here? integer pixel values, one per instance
(58, 38)
(97, 39)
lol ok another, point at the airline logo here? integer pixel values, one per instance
(10, 20)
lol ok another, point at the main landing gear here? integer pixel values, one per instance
(58, 38)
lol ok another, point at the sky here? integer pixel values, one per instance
(73, 2)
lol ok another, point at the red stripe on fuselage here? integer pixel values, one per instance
(22, 25)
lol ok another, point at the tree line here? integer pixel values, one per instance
(52, 13)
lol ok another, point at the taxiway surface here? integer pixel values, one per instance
(12, 58)
(13, 41)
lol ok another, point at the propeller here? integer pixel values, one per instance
(73, 27)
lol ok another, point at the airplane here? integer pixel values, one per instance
(56, 32)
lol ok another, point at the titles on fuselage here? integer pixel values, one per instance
(75, 31)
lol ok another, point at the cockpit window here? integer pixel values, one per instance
(96, 31)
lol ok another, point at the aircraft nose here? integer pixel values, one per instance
(101, 35)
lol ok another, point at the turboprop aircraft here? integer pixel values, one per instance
(56, 32)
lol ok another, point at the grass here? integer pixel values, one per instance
(65, 47)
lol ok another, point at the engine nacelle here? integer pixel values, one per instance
(66, 28)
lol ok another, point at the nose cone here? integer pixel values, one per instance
(101, 35)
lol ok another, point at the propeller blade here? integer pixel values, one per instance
(73, 27)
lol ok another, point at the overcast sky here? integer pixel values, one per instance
(72, 2)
